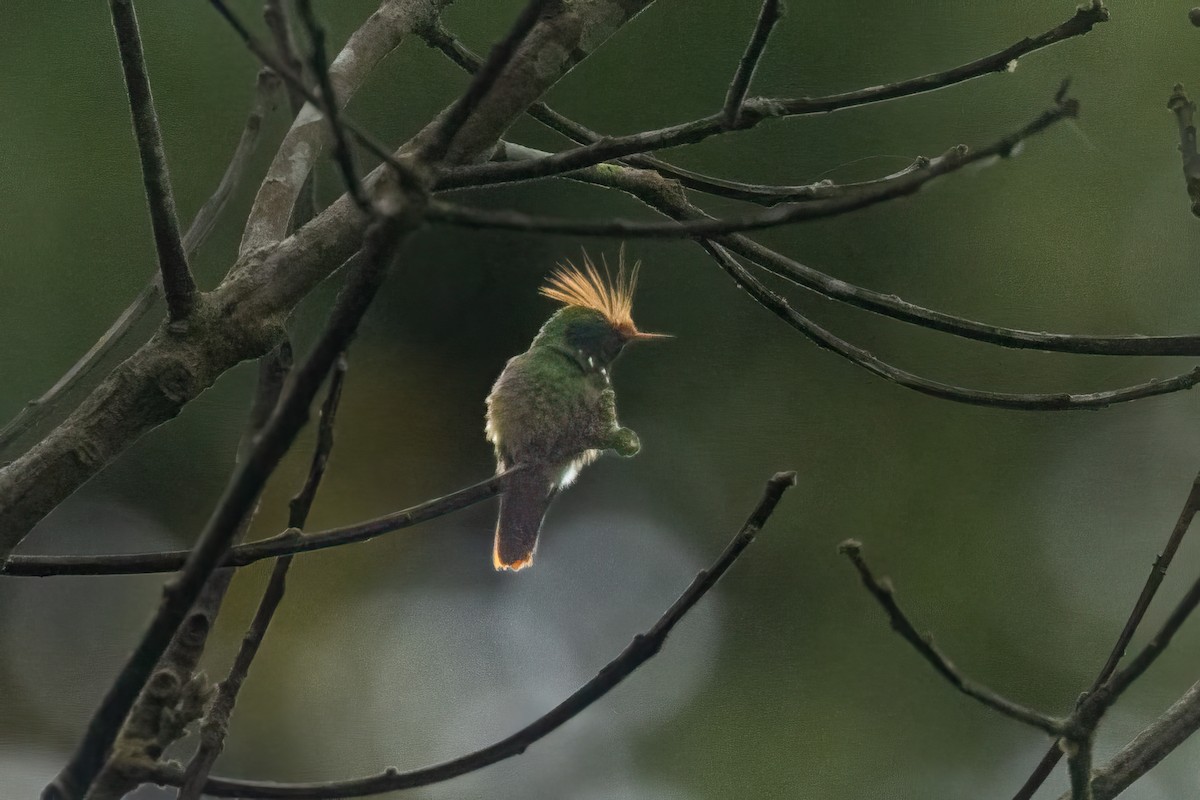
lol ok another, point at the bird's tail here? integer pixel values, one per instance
(522, 507)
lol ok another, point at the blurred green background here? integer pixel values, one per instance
(1020, 539)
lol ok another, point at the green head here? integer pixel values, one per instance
(596, 320)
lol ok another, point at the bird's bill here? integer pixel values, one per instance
(646, 337)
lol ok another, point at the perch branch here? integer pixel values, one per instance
(641, 649)
(282, 544)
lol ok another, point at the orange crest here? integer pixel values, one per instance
(588, 289)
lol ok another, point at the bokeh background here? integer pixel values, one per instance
(1021, 539)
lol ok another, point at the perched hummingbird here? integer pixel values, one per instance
(552, 411)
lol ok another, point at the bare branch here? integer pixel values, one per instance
(176, 693)
(1079, 765)
(437, 144)
(301, 503)
(242, 317)
(756, 110)
(1158, 572)
(901, 186)
(1185, 112)
(282, 544)
(770, 13)
(216, 721)
(342, 153)
(641, 649)
(278, 20)
(202, 224)
(36, 410)
(1124, 678)
(179, 287)
(297, 82)
(392, 225)
(665, 197)
(438, 37)
(276, 16)
(266, 87)
(279, 200)
(862, 358)
(1148, 748)
(886, 304)
(882, 591)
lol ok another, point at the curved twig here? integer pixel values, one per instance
(641, 649)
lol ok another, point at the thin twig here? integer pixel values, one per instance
(1154, 580)
(267, 85)
(202, 224)
(770, 13)
(438, 144)
(282, 544)
(1185, 111)
(276, 17)
(342, 154)
(756, 110)
(285, 200)
(35, 410)
(179, 287)
(293, 80)
(275, 14)
(641, 649)
(882, 591)
(780, 307)
(239, 497)
(301, 502)
(953, 160)
(1124, 678)
(216, 720)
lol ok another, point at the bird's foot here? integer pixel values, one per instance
(625, 442)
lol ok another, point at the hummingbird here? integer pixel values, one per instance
(553, 411)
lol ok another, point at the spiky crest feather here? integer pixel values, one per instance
(586, 288)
